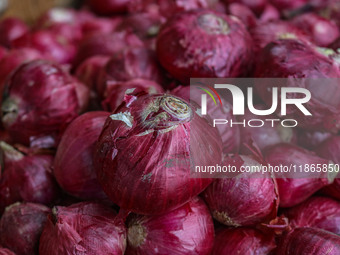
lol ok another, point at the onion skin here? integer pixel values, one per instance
(322, 31)
(11, 29)
(137, 159)
(270, 13)
(293, 59)
(229, 201)
(288, 4)
(26, 178)
(312, 139)
(4, 251)
(116, 92)
(257, 6)
(47, 116)
(244, 13)
(21, 226)
(108, 7)
(293, 191)
(230, 135)
(73, 165)
(316, 212)
(204, 44)
(306, 241)
(81, 229)
(183, 231)
(245, 241)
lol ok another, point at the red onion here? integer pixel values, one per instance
(26, 178)
(11, 29)
(109, 7)
(322, 31)
(230, 135)
(244, 13)
(105, 44)
(245, 241)
(117, 91)
(317, 212)
(73, 165)
(266, 33)
(270, 13)
(335, 45)
(306, 241)
(4, 251)
(311, 139)
(256, 6)
(186, 230)
(229, 201)
(56, 108)
(143, 154)
(295, 187)
(83, 228)
(293, 59)
(129, 64)
(288, 4)
(204, 44)
(21, 226)
(270, 133)
(100, 25)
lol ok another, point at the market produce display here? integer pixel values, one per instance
(105, 148)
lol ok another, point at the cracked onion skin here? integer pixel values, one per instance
(306, 241)
(27, 118)
(204, 44)
(187, 230)
(21, 226)
(245, 241)
(143, 154)
(73, 164)
(229, 198)
(83, 228)
(295, 60)
(317, 212)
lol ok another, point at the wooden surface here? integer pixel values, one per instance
(29, 10)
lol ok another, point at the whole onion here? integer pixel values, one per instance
(265, 33)
(295, 187)
(316, 212)
(244, 241)
(100, 25)
(108, 7)
(56, 108)
(49, 44)
(130, 64)
(83, 228)
(321, 31)
(312, 139)
(306, 241)
(186, 230)
(267, 135)
(105, 44)
(204, 44)
(256, 6)
(283, 5)
(73, 165)
(116, 92)
(247, 199)
(21, 226)
(11, 29)
(244, 13)
(230, 135)
(297, 61)
(5, 251)
(26, 178)
(144, 152)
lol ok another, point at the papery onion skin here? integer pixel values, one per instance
(21, 226)
(230, 135)
(56, 108)
(11, 29)
(116, 92)
(83, 228)
(229, 198)
(73, 165)
(108, 7)
(322, 31)
(5, 251)
(143, 156)
(306, 241)
(186, 230)
(316, 212)
(204, 44)
(295, 187)
(26, 178)
(294, 59)
(245, 241)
